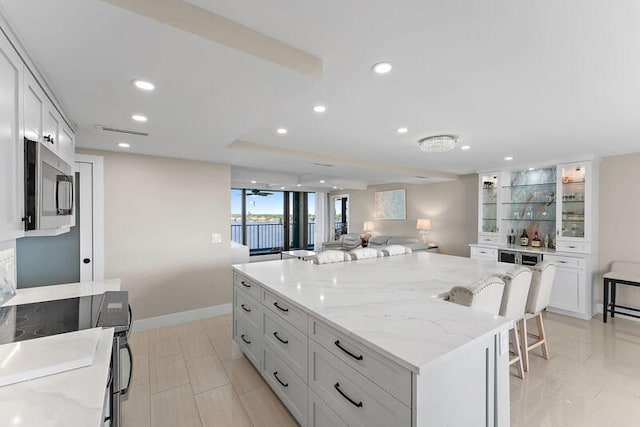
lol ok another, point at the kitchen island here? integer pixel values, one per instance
(71, 398)
(372, 342)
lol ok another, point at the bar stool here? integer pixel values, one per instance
(329, 257)
(364, 253)
(539, 297)
(514, 300)
(485, 294)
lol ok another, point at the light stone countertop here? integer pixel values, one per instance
(390, 304)
(72, 398)
(518, 248)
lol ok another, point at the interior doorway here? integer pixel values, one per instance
(91, 210)
(339, 215)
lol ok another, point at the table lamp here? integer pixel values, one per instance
(424, 225)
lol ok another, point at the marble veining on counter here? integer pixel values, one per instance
(389, 303)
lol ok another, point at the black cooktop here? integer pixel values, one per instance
(41, 319)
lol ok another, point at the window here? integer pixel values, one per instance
(271, 221)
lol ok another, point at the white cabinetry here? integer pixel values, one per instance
(34, 100)
(576, 212)
(66, 144)
(11, 152)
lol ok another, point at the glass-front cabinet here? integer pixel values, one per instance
(573, 227)
(529, 206)
(489, 221)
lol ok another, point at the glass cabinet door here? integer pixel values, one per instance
(489, 187)
(572, 199)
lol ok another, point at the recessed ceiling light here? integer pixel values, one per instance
(143, 85)
(298, 185)
(139, 118)
(508, 158)
(382, 67)
(319, 108)
(123, 145)
(253, 181)
(531, 169)
(465, 147)
(322, 181)
(282, 188)
(335, 188)
(402, 130)
(281, 131)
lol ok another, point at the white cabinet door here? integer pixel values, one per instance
(66, 144)
(34, 99)
(574, 207)
(11, 154)
(51, 126)
(568, 290)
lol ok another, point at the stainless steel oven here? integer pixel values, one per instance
(48, 188)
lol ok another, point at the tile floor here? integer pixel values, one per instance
(193, 375)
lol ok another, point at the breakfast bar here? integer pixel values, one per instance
(373, 342)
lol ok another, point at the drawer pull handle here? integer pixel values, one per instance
(244, 339)
(337, 343)
(280, 308)
(353, 402)
(248, 310)
(275, 374)
(275, 334)
(243, 283)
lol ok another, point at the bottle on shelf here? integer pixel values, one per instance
(524, 238)
(512, 238)
(546, 240)
(536, 242)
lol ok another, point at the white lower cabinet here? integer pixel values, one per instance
(291, 390)
(571, 292)
(249, 340)
(484, 253)
(320, 414)
(287, 342)
(355, 399)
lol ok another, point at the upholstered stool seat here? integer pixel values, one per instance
(364, 253)
(393, 250)
(484, 295)
(329, 257)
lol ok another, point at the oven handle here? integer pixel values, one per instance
(126, 390)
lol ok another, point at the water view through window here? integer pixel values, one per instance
(273, 220)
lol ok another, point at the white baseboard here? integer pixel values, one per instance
(181, 317)
(619, 312)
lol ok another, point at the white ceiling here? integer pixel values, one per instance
(541, 81)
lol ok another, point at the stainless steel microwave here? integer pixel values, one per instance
(48, 188)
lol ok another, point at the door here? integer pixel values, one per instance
(91, 221)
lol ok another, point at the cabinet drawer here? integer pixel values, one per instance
(320, 415)
(565, 261)
(394, 379)
(247, 284)
(248, 339)
(285, 310)
(248, 308)
(355, 399)
(484, 253)
(489, 240)
(289, 388)
(287, 342)
(582, 248)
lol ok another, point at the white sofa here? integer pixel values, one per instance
(413, 243)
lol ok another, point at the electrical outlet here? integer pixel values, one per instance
(216, 238)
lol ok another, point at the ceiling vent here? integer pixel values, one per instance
(325, 165)
(422, 177)
(125, 131)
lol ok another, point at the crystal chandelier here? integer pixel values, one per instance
(438, 144)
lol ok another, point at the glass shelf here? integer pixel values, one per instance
(490, 203)
(529, 203)
(546, 184)
(529, 220)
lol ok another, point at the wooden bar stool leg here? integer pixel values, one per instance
(524, 350)
(516, 348)
(543, 336)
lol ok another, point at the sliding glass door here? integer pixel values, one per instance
(270, 221)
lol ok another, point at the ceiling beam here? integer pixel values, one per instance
(195, 20)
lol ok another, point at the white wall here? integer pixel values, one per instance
(619, 225)
(159, 216)
(451, 207)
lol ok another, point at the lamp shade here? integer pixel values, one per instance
(424, 224)
(368, 226)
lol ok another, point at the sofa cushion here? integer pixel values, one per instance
(402, 240)
(378, 240)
